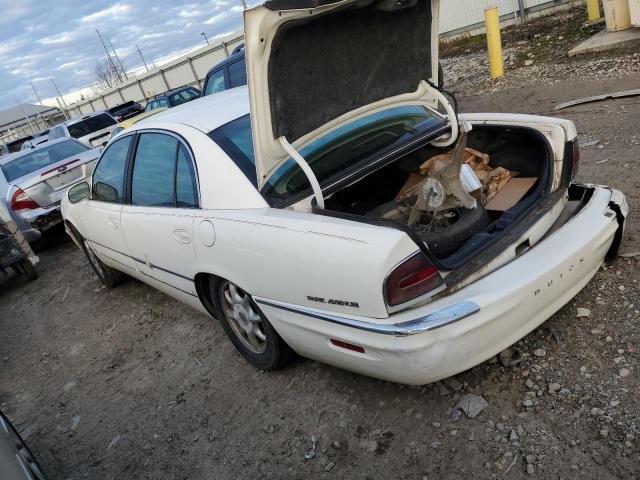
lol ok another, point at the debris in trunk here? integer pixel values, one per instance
(510, 194)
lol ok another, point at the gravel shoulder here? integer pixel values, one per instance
(128, 383)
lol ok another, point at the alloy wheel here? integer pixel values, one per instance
(243, 317)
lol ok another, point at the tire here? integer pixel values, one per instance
(447, 241)
(29, 270)
(110, 277)
(241, 319)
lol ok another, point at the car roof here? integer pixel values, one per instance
(84, 117)
(171, 92)
(206, 113)
(227, 61)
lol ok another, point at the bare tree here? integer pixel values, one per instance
(108, 75)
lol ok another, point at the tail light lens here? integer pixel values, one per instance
(575, 159)
(21, 201)
(413, 278)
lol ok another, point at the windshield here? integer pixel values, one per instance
(34, 160)
(89, 125)
(331, 155)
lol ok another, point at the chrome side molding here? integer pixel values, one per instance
(432, 321)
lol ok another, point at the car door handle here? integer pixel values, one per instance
(181, 236)
(113, 223)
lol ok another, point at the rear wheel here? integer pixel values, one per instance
(247, 327)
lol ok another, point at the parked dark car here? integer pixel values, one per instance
(15, 145)
(125, 110)
(229, 73)
(173, 98)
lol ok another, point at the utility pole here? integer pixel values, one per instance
(59, 94)
(63, 110)
(124, 72)
(205, 37)
(33, 132)
(37, 96)
(143, 61)
(113, 65)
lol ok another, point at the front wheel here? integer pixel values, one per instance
(247, 327)
(107, 275)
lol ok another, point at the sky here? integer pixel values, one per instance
(40, 40)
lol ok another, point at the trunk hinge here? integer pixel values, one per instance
(299, 159)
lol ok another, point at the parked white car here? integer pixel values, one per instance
(93, 129)
(285, 224)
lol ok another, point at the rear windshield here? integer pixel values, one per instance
(34, 160)
(331, 155)
(89, 125)
(184, 96)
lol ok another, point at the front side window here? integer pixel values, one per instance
(108, 178)
(215, 83)
(34, 160)
(237, 74)
(90, 125)
(152, 183)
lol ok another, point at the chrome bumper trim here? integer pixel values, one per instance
(432, 321)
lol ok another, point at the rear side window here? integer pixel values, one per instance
(186, 186)
(163, 174)
(108, 178)
(34, 160)
(153, 171)
(237, 74)
(91, 125)
(215, 83)
(183, 96)
(236, 140)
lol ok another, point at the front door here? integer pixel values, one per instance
(101, 214)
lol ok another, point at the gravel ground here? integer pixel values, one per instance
(128, 383)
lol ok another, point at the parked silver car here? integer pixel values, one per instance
(34, 181)
(16, 460)
(93, 129)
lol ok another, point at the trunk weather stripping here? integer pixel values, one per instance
(315, 185)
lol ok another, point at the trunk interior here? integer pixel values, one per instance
(522, 151)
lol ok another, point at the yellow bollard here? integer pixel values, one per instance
(593, 10)
(494, 42)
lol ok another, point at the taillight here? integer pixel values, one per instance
(575, 159)
(21, 201)
(413, 278)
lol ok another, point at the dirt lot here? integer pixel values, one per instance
(127, 383)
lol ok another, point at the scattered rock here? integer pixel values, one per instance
(624, 372)
(436, 444)
(308, 455)
(442, 389)
(369, 445)
(527, 403)
(539, 352)
(510, 357)
(69, 385)
(329, 466)
(75, 421)
(337, 445)
(113, 442)
(582, 312)
(528, 63)
(553, 387)
(453, 383)
(471, 405)
(530, 469)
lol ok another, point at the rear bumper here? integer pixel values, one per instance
(475, 323)
(33, 223)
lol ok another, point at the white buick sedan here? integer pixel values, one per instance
(284, 208)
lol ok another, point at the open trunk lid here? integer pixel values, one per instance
(314, 65)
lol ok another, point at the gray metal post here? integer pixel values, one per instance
(195, 75)
(164, 79)
(37, 96)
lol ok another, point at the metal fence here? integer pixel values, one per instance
(457, 17)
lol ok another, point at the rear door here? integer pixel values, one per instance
(100, 214)
(158, 222)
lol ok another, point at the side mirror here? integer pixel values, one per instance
(78, 192)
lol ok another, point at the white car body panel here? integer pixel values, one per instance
(288, 259)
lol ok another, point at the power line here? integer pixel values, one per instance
(143, 60)
(124, 72)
